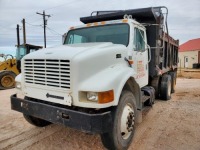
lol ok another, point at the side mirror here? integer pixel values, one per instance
(63, 37)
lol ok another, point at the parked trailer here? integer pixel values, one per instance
(102, 76)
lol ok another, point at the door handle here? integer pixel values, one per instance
(149, 53)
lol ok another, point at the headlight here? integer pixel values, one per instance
(100, 97)
(92, 96)
(18, 85)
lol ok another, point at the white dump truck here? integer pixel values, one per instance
(102, 76)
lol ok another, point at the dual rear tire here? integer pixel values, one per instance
(167, 85)
(164, 85)
(173, 81)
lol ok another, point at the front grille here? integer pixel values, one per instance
(48, 72)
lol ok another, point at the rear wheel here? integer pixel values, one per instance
(173, 80)
(120, 137)
(7, 80)
(165, 91)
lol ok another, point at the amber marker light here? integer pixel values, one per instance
(96, 24)
(103, 22)
(105, 97)
(71, 28)
(88, 25)
(125, 20)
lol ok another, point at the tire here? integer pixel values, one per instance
(121, 135)
(173, 81)
(36, 121)
(7, 80)
(165, 91)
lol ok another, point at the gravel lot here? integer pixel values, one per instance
(168, 125)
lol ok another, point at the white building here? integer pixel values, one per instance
(189, 53)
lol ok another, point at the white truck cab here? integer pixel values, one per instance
(93, 53)
(102, 76)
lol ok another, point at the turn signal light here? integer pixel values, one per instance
(131, 62)
(105, 97)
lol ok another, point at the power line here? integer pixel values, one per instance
(53, 31)
(3, 27)
(28, 16)
(33, 24)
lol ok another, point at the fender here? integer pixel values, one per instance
(18, 78)
(112, 78)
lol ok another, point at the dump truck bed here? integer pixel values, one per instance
(141, 15)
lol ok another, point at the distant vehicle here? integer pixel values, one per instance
(11, 67)
(8, 72)
(102, 76)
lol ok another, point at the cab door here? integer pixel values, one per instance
(140, 55)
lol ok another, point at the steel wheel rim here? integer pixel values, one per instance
(127, 121)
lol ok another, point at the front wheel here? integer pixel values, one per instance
(36, 121)
(120, 137)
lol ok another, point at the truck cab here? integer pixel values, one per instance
(132, 35)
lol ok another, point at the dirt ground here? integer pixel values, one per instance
(168, 125)
(189, 73)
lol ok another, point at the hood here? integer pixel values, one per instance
(67, 51)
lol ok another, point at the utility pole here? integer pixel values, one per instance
(45, 23)
(24, 31)
(18, 37)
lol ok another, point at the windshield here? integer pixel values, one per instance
(116, 33)
(21, 51)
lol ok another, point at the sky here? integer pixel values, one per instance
(183, 18)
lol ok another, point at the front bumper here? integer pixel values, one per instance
(92, 123)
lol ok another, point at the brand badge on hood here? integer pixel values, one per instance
(49, 53)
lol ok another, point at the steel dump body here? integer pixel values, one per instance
(164, 57)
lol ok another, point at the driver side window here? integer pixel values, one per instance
(139, 40)
(76, 39)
